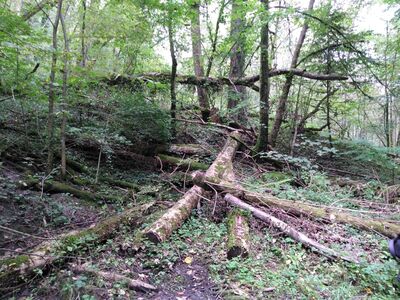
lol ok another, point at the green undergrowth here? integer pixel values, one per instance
(275, 263)
(277, 267)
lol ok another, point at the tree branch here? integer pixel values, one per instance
(220, 81)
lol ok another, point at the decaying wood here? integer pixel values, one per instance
(55, 187)
(219, 81)
(160, 230)
(134, 284)
(287, 229)
(238, 234)
(184, 163)
(15, 269)
(333, 215)
(189, 149)
(220, 170)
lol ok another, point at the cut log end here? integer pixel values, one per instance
(153, 237)
(238, 238)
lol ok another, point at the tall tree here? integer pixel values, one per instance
(283, 99)
(64, 98)
(52, 95)
(237, 94)
(173, 70)
(83, 33)
(262, 140)
(197, 60)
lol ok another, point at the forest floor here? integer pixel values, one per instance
(192, 263)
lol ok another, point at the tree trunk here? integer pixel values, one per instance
(64, 100)
(283, 99)
(17, 268)
(220, 170)
(197, 60)
(237, 94)
(262, 140)
(287, 229)
(52, 96)
(334, 215)
(173, 73)
(238, 234)
(184, 163)
(83, 33)
(160, 230)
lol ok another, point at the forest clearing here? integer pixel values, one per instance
(199, 149)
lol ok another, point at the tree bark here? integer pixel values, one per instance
(248, 81)
(173, 74)
(262, 140)
(237, 94)
(334, 215)
(238, 235)
(64, 100)
(16, 269)
(160, 230)
(283, 99)
(52, 96)
(83, 33)
(287, 229)
(184, 163)
(197, 60)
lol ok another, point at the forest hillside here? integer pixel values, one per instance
(199, 149)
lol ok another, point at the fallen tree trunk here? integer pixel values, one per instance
(238, 234)
(134, 284)
(220, 170)
(189, 149)
(219, 81)
(160, 230)
(333, 215)
(55, 187)
(15, 269)
(287, 229)
(185, 163)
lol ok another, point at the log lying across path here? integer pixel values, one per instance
(220, 170)
(285, 228)
(14, 269)
(134, 284)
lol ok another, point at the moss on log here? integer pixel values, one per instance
(222, 167)
(17, 268)
(189, 149)
(185, 163)
(287, 229)
(161, 229)
(52, 186)
(238, 234)
(334, 215)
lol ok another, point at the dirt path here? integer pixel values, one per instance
(187, 282)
